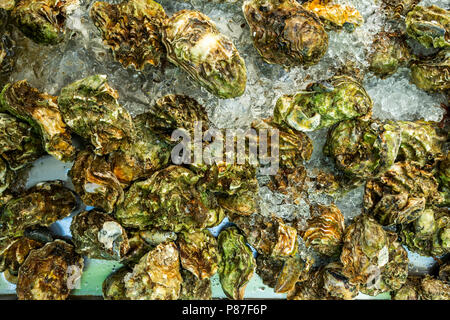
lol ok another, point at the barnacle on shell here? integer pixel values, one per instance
(194, 44)
(285, 33)
(133, 30)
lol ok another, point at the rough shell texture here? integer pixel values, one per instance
(49, 273)
(285, 33)
(156, 276)
(409, 291)
(171, 199)
(193, 288)
(294, 147)
(6, 177)
(270, 236)
(434, 74)
(15, 255)
(89, 107)
(133, 31)
(365, 251)
(324, 104)
(434, 289)
(422, 142)
(194, 44)
(98, 236)
(237, 264)
(389, 52)
(397, 9)
(19, 143)
(7, 4)
(95, 182)
(42, 205)
(113, 286)
(394, 274)
(363, 149)
(42, 112)
(199, 253)
(325, 230)
(430, 26)
(43, 21)
(335, 16)
(429, 235)
(401, 194)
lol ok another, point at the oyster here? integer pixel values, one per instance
(171, 199)
(113, 287)
(324, 104)
(335, 284)
(7, 49)
(89, 107)
(175, 111)
(95, 182)
(325, 230)
(281, 273)
(156, 276)
(422, 142)
(365, 252)
(285, 33)
(335, 16)
(430, 26)
(43, 21)
(290, 182)
(237, 263)
(401, 194)
(270, 236)
(294, 147)
(199, 253)
(19, 144)
(42, 112)
(397, 9)
(98, 236)
(7, 4)
(194, 288)
(15, 255)
(147, 153)
(6, 176)
(409, 291)
(42, 205)
(363, 149)
(434, 289)
(432, 74)
(389, 52)
(133, 31)
(429, 235)
(194, 44)
(49, 273)
(394, 274)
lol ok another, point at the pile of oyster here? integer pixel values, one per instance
(152, 215)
